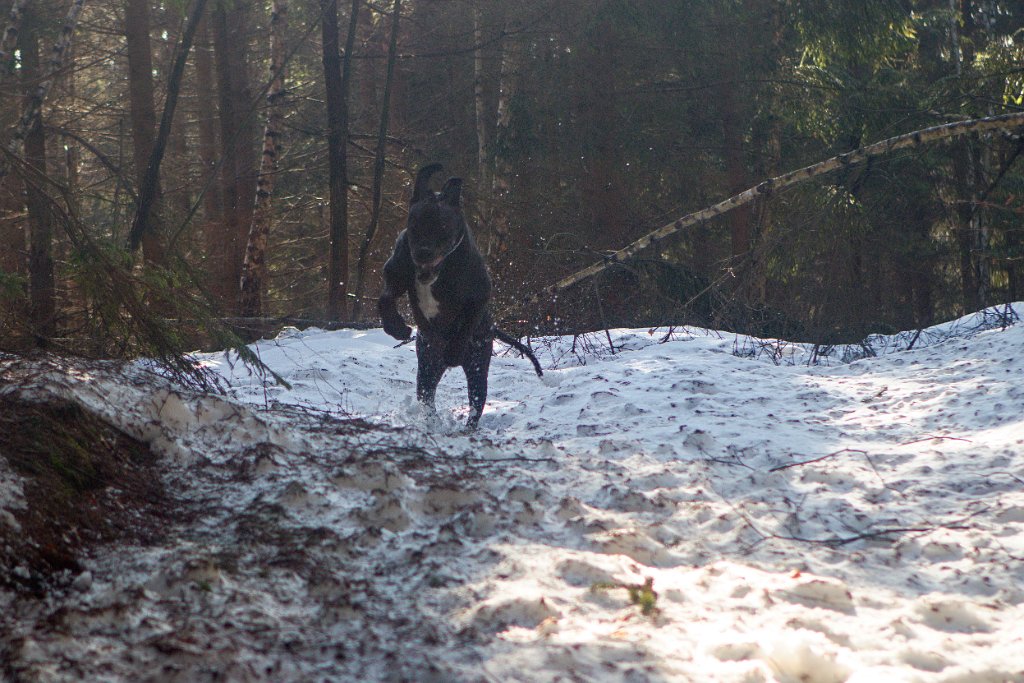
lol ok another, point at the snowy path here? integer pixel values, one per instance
(861, 522)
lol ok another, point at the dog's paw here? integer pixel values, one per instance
(399, 330)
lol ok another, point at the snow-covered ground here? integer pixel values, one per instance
(692, 507)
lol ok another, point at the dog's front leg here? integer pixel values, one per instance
(398, 277)
(430, 366)
(390, 318)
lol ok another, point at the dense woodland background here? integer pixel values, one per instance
(144, 207)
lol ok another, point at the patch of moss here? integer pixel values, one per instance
(85, 482)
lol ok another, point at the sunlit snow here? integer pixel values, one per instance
(845, 521)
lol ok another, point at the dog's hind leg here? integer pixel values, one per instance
(478, 362)
(430, 367)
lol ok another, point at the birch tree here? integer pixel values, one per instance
(254, 267)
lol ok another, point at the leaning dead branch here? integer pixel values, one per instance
(1005, 122)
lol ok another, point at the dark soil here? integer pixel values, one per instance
(86, 484)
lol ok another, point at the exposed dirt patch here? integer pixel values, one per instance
(84, 482)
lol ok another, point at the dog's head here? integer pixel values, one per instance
(436, 226)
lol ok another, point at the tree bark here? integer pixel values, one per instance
(213, 209)
(238, 172)
(148, 188)
(1005, 122)
(10, 36)
(337, 79)
(41, 286)
(143, 115)
(12, 233)
(254, 267)
(733, 134)
(501, 179)
(378, 163)
(480, 101)
(34, 104)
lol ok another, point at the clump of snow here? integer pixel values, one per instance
(791, 520)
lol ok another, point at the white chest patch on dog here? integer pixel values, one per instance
(425, 297)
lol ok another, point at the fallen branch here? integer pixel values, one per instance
(249, 323)
(957, 525)
(916, 138)
(929, 437)
(819, 459)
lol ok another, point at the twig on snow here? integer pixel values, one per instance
(819, 459)
(929, 437)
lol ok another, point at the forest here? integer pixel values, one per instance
(184, 174)
(767, 256)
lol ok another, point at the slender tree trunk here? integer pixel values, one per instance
(12, 228)
(143, 116)
(254, 267)
(480, 101)
(72, 156)
(12, 232)
(965, 165)
(337, 79)
(213, 209)
(238, 172)
(34, 104)
(378, 163)
(9, 39)
(501, 178)
(141, 225)
(41, 288)
(733, 134)
(175, 198)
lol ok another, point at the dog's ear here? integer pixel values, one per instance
(421, 189)
(451, 193)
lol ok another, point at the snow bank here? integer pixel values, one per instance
(671, 511)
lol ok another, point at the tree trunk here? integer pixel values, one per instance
(143, 116)
(141, 225)
(213, 209)
(337, 79)
(733, 134)
(238, 174)
(34, 104)
(378, 163)
(501, 180)
(254, 267)
(42, 304)
(479, 100)
(10, 36)
(12, 232)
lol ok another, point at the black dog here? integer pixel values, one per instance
(436, 262)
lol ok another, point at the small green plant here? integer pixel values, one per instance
(642, 595)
